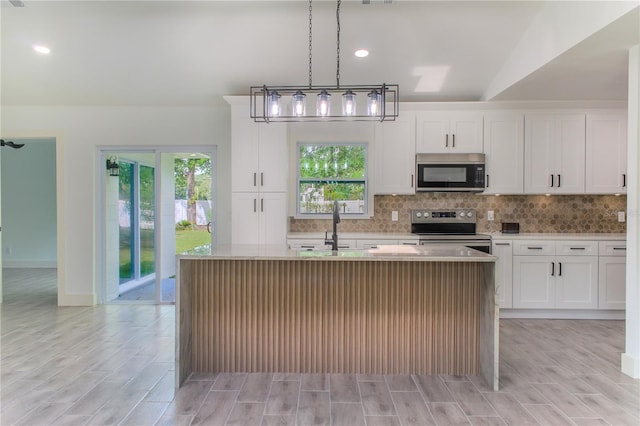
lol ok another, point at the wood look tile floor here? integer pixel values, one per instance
(113, 364)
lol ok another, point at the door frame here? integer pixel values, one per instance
(101, 253)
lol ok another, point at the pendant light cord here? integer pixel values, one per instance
(338, 44)
(310, 40)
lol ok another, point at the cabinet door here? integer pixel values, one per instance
(395, 151)
(576, 282)
(570, 143)
(503, 250)
(612, 282)
(244, 151)
(533, 282)
(273, 158)
(539, 153)
(465, 132)
(245, 222)
(504, 152)
(432, 133)
(272, 207)
(606, 153)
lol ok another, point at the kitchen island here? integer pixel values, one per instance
(390, 310)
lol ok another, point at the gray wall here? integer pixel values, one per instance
(29, 204)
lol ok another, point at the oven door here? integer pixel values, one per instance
(480, 245)
(449, 177)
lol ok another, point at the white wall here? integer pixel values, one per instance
(80, 132)
(29, 193)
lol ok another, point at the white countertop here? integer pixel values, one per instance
(426, 253)
(559, 236)
(494, 235)
(354, 235)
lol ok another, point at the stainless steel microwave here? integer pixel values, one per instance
(450, 172)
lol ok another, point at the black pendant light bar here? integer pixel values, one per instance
(344, 103)
(330, 103)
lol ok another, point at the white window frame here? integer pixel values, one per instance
(367, 197)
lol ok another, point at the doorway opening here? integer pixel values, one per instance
(28, 200)
(160, 204)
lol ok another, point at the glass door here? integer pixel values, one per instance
(159, 204)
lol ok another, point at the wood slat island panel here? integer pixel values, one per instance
(327, 316)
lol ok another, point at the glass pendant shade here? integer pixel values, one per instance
(274, 104)
(374, 103)
(323, 104)
(298, 104)
(348, 103)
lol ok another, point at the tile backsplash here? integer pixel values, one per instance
(535, 213)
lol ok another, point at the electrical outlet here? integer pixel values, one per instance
(394, 215)
(490, 215)
(621, 217)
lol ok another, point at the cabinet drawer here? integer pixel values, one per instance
(369, 244)
(307, 244)
(534, 248)
(409, 242)
(577, 248)
(612, 248)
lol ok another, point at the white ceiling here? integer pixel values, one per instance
(194, 52)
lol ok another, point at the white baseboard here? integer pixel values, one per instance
(630, 366)
(27, 264)
(563, 314)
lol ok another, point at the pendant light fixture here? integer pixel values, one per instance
(333, 103)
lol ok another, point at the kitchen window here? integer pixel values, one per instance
(332, 171)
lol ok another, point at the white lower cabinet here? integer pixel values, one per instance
(544, 280)
(259, 218)
(612, 275)
(503, 250)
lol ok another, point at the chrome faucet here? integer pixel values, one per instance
(336, 220)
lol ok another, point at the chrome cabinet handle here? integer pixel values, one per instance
(624, 180)
(261, 179)
(559, 269)
(619, 248)
(502, 244)
(577, 248)
(453, 138)
(551, 181)
(558, 181)
(534, 248)
(553, 269)
(446, 141)
(412, 180)
(487, 181)
(254, 205)
(261, 204)
(254, 179)
(307, 247)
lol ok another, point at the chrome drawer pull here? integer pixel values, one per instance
(619, 248)
(503, 244)
(534, 248)
(577, 248)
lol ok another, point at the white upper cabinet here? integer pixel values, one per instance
(395, 156)
(504, 152)
(449, 131)
(606, 153)
(258, 154)
(554, 147)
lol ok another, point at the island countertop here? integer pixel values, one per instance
(426, 253)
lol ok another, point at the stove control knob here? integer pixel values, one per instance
(418, 214)
(469, 214)
(427, 214)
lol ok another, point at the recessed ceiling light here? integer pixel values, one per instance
(361, 53)
(41, 49)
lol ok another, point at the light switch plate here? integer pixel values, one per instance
(621, 217)
(490, 215)
(394, 215)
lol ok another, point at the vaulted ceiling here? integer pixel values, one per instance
(194, 52)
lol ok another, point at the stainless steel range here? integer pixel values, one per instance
(455, 227)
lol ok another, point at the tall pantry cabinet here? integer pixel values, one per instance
(259, 173)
